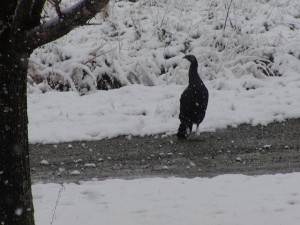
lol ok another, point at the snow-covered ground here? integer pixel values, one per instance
(141, 45)
(223, 200)
(142, 110)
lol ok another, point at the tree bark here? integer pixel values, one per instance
(16, 205)
(20, 33)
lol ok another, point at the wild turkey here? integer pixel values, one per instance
(193, 101)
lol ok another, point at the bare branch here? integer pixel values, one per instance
(57, 27)
(36, 12)
(96, 56)
(93, 24)
(55, 4)
(227, 14)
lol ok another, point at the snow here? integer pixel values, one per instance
(252, 71)
(144, 42)
(90, 165)
(142, 110)
(75, 172)
(224, 200)
(261, 38)
(44, 162)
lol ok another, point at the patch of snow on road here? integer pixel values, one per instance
(226, 200)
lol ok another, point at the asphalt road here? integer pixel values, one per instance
(246, 150)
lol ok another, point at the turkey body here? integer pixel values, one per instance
(193, 101)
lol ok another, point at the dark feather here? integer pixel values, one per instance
(193, 101)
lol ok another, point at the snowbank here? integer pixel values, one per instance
(141, 110)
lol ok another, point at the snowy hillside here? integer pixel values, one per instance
(144, 42)
(251, 68)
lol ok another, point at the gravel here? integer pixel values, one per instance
(245, 150)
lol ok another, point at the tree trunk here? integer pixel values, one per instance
(20, 33)
(16, 207)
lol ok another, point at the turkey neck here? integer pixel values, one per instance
(193, 74)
